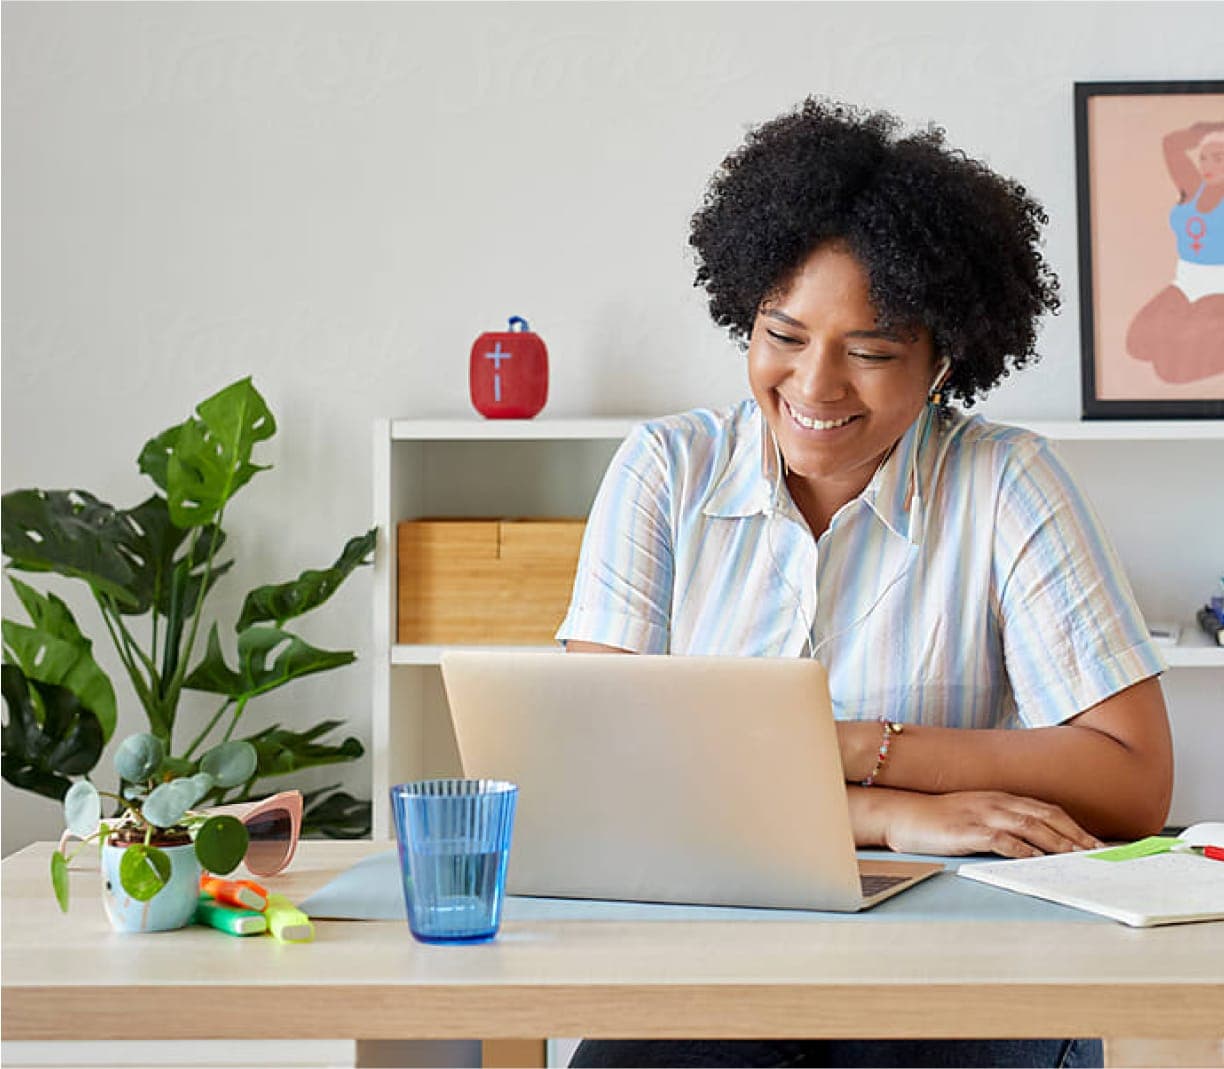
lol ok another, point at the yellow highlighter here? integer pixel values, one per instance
(286, 922)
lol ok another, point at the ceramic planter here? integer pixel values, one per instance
(172, 907)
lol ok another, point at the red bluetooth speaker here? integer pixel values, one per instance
(509, 372)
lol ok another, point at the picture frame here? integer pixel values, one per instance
(1151, 263)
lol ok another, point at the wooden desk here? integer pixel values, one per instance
(65, 976)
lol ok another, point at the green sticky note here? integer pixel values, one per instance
(1153, 844)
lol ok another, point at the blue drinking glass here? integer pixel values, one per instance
(454, 844)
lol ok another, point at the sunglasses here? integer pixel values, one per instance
(273, 826)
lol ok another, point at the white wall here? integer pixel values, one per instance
(338, 198)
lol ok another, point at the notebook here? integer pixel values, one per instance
(697, 780)
(1167, 888)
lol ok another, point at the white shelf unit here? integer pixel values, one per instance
(552, 467)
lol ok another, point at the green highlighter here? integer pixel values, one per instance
(230, 920)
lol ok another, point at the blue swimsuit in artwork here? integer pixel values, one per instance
(1200, 235)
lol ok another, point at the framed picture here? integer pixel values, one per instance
(1150, 169)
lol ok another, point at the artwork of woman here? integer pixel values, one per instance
(1180, 331)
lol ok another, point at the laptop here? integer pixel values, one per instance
(700, 780)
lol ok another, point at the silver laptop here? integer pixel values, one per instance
(699, 780)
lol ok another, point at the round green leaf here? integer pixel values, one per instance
(168, 802)
(59, 879)
(143, 871)
(231, 763)
(203, 783)
(139, 757)
(82, 809)
(221, 843)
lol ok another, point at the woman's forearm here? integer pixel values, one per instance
(1110, 769)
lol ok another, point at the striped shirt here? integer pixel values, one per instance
(990, 597)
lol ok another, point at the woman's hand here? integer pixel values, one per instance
(968, 822)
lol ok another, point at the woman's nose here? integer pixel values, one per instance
(819, 375)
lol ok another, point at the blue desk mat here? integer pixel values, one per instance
(370, 890)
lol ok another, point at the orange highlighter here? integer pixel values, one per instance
(241, 894)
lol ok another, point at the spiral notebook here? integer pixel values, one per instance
(1166, 888)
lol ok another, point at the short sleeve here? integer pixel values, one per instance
(1072, 633)
(623, 588)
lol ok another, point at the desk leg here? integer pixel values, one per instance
(407, 1053)
(514, 1054)
(1120, 1053)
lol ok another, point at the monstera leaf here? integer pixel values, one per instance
(293, 659)
(53, 650)
(69, 532)
(203, 462)
(283, 601)
(281, 751)
(161, 579)
(39, 755)
(336, 816)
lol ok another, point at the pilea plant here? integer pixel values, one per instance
(155, 803)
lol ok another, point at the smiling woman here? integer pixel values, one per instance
(993, 681)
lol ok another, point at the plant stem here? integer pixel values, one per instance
(180, 671)
(237, 713)
(138, 682)
(207, 728)
(150, 666)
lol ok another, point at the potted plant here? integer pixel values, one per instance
(153, 851)
(150, 570)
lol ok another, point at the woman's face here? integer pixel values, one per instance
(837, 390)
(1211, 160)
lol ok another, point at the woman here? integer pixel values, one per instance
(1180, 331)
(994, 683)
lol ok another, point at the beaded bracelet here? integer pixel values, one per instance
(890, 729)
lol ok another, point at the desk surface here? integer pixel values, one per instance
(66, 976)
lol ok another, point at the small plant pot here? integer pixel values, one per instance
(172, 907)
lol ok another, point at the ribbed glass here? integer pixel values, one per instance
(454, 843)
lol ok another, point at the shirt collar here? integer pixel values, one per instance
(743, 488)
(746, 482)
(890, 493)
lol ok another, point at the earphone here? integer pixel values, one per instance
(945, 365)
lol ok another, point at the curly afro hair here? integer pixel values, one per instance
(946, 243)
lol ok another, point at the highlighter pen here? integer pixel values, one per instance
(227, 919)
(286, 922)
(241, 894)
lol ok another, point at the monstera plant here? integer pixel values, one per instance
(150, 570)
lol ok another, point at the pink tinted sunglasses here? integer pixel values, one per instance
(273, 825)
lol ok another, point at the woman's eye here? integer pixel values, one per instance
(874, 358)
(783, 338)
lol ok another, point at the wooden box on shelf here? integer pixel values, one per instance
(485, 581)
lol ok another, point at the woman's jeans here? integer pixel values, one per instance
(882, 1053)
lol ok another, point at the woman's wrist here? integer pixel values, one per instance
(859, 741)
(868, 815)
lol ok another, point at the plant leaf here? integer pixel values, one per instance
(281, 751)
(150, 548)
(82, 808)
(337, 816)
(69, 532)
(55, 651)
(294, 658)
(221, 843)
(203, 784)
(59, 879)
(139, 757)
(209, 459)
(231, 763)
(143, 871)
(38, 756)
(283, 601)
(168, 803)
